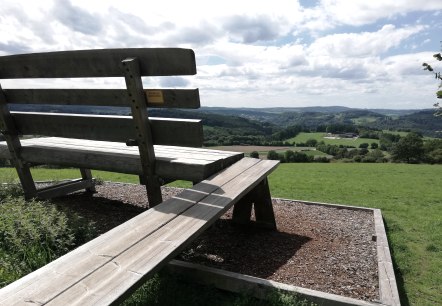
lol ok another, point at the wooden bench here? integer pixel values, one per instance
(159, 150)
(105, 270)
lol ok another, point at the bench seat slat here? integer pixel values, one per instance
(177, 98)
(97, 63)
(192, 164)
(107, 268)
(165, 131)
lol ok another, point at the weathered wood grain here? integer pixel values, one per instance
(65, 188)
(107, 268)
(173, 162)
(165, 131)
(9, 131)
(171, 98)
(144, 135)
(97, 63)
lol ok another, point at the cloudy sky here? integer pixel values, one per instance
(365, 54)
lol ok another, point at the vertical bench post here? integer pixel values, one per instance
(86, 174)
(259, 197)
(138, 103)
(7, 128)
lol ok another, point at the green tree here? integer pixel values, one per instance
(311, 142)
(437, 76)
(374, 145)
(254, 154)
(409, 148)
(272, 155)
(364, 145)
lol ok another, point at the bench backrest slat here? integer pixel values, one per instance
(165, 131)
(97, 63)
(137, 130)
(164, 98)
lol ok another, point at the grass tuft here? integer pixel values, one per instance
(34, 233)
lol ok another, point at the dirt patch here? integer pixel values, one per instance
(317, 247)
(249, 149)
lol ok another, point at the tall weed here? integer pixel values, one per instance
(34, 233)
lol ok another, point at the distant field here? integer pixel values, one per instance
(303, 137)
(249, 149)
(364, 120)
(410, 197)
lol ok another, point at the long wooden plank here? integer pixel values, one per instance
(97, 63)
(153, 247)
(83, 258)
(164, 98)
(92, 255)
(145, 257)
(192, 164)
(166, 153)
(165, 131)
(64, 188)
(203, 153)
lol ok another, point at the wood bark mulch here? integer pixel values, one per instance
(317, 247)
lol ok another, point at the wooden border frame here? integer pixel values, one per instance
(258, 287)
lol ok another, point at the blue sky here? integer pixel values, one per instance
(365, 54)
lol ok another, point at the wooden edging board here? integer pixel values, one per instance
(260, 288)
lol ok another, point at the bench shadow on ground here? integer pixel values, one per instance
(104, 213)
(257, 251)
(243, 249)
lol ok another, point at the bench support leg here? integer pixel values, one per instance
(86, 174)
(153, 189)
(259, 197)
(26, 180)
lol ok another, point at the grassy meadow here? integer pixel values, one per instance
(410, 197)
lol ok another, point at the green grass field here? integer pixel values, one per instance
(303, 137)
(410, 197)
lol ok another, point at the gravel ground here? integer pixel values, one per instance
(317, 247)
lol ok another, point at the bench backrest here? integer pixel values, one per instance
(131, 64)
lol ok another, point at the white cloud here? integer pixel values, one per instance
(363, 44)
(360, 12)
(249, 53)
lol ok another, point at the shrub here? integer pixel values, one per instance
(34, 233)
(311, 142)
(357, 158)
(254, 154)
(272, 155)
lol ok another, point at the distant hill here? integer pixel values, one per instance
(251, 125)
(422, 121)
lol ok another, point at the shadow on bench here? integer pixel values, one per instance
(107, 269)
(157, 149)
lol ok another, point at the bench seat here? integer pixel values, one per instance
(105, 270)
(172, 162)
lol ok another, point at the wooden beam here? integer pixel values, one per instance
(144, 134)
(259, 198)
(164, 98)
(192, 164)
(9, 131)
(106, 269)
(175, 132)
(64, 188)
(97, 63)
(86, 174)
